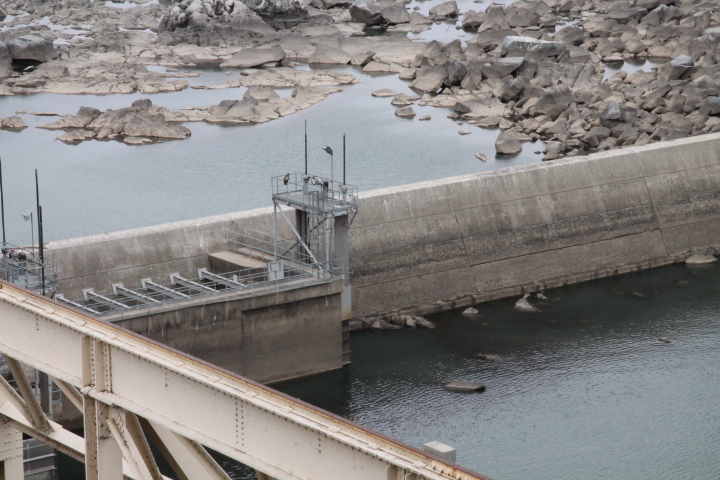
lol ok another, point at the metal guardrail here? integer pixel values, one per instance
(314, 193)
(38, 457)
(22, 267)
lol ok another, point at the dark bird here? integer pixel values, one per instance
(286, 178)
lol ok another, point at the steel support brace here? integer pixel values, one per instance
(189, 459)
(11, 452)
(126, 429)
(103, 457)
(27, 403)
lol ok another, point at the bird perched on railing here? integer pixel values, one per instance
(286, 178)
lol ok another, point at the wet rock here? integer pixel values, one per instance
(528, 47)
(326, 54)
(486, 357)
(83, 118)
(665, 340)
(508, 143)
(447, 9)
(13, 123)
(524, 305)
(425, 118)
(367, 12)
(76, 136)
(464, 132)
(405, 112)
(380, 324)
(31, 47)
(481, 156)
(470, 311)
(700, 258)
(637, 294)
(255, 57)
(464, 387)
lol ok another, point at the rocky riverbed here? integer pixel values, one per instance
(510, 67)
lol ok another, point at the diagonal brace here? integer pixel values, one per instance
(30, 406)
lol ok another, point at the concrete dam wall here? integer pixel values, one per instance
(452, 242)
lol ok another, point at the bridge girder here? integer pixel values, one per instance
(127, 380)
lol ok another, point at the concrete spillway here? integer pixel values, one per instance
(451, 242)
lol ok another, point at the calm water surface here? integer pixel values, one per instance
(584, 388)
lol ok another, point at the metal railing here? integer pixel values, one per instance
(22, 266)
(205, 284)
(314, 192)
(38, 457)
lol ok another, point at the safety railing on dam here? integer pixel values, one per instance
(128, 386)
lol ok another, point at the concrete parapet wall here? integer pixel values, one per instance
(451, 242)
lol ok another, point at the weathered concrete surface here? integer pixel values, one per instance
(267, 338)
(457, 241)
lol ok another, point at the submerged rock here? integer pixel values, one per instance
(464, 387)
(665, 340)
(13, 123)
(405, 112)
(470, 311)
(700, 258)
(524, 305)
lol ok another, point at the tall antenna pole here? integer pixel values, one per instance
(344, 182)
(305, 147)
(40, 233)
(2, 205)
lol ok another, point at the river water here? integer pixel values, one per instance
(583, 389)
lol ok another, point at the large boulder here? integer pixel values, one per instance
(366, 11)
(455, 72)
(330, 55)
(273, 7)
(508, 143)
(31, 47)
(395, 14)
(528, 47)
(430, 79)
(554, 100)
(255, 57)
(678, 67)
(447, 9)
(14, 124)
(5, 61)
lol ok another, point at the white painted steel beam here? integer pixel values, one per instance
(260, 427)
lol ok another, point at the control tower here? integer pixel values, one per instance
(324, 211)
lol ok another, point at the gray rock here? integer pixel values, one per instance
(464, 387)
(455, 72)
(430, 79)
(487, 107)
(612, 112)
(447, 9)
(570, 35)
(473, 19)
(405, 112)
(362, 59)
(528, 47)
(366, 11)
(470, 311)
(665, 340)
(713, 104)
(383, 93)
(255, 57)
(524, 306)
(5, 61)
(395, 14)
(329, 55)
(84, 117)
(31, 47)
(13, 123)
(272, 7)
(508, 143)
(3, 13)
(700, 258)
(506, 66)
(677, 68)
(512, 89)
(554, 98)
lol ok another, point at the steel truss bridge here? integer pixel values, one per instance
(128, 386)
